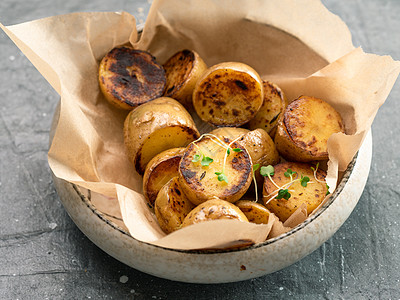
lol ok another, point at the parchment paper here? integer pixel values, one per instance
(297, 44)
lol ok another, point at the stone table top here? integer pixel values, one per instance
(43, 255)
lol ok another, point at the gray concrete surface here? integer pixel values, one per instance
(44, 256)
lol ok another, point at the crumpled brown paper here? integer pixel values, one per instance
(299, 45)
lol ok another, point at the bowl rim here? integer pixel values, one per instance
(310, 219)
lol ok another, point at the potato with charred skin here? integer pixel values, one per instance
(154, 127)
(183, 70)
(159, 171)
(255, 212)
(214, 209)
(303, 133)
(171, 206)
(294, 189)
(206, 170)
(129, 78)
(272, 109)
(228, 94)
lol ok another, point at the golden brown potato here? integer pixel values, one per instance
(214, 209)
(159, 171)
(129, 78)
(303, 133)
(206, 170)
(171, 206)
(294, 194)
(228, 94)
(260, 147)
(183, 70)
(255, 212)
(272, 109)
(157, 126)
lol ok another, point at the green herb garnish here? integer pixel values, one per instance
(206, 161)
(283, 194)
(221, 176)
(304, 180)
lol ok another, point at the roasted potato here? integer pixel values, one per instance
(260, 147)
(254, 212)
(228, 94)
(272, 109)
(157, 126)
(129, 78)
(306, 186)
(214, 209)
(171, 206)
(159, 171)
(206, 170)
(303, 133)
(183, 70)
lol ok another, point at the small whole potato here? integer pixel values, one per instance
(255, 212)
(214, 209)
(303, 133)
(159, 171)
(154, 127)
(129, 77)
(228, 94)
(171, 206)
(298, 183)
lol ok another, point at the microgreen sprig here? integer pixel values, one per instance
(255, 168)
(282, 192)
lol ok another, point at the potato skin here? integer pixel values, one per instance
(303, 133)
(255, 212)
(228, 94)
(312, 195)
(154, 127)
(260, 147)
(214, 209)
(182, 71)
(129, 77)
(161, 169)
(200, 183)
(171, 206)
(272, 109)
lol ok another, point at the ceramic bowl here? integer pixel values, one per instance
(110, 234)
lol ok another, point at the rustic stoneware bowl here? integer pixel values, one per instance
(109, 233)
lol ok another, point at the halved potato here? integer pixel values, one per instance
(312, 194)
(200, 182)
(272, 109)
(157, 126)
(129, 77)
(255, 212)
(303, 133)
(214, 209)
(171, 206)
(228, 94)
(183, 70)
(159, 171)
